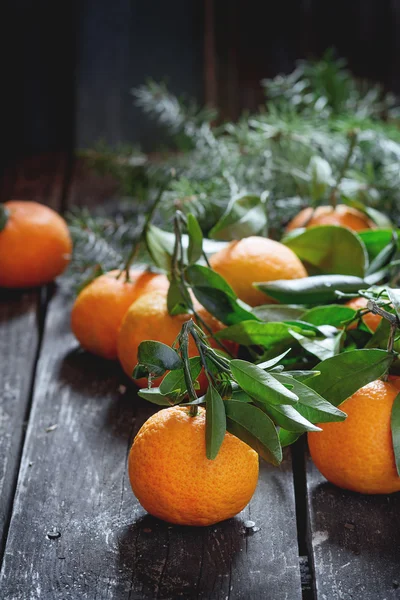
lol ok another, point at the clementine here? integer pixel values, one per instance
(148, 319)
(35, 245)
(100, 307)
(256, 259)
(173, 479)
(357, 454)
(342, 215)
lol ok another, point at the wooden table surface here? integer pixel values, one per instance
(70, 526)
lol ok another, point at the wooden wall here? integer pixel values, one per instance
(68, 67)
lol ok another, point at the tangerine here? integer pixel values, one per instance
(148, 319)
(100, 307)
(35, 245)
(174, 480)
(342, 215)
(256, 259)
(357, 454)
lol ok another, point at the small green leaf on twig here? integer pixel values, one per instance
(195, 234)
(215, 422)
(158, 358)
(395, 426)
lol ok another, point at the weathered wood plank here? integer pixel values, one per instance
(73, 482)
(21, 315)
(354, 542)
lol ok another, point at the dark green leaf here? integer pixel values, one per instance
(4, 215)
(278, 312)
(311, 405)
(195, 248)
(255, 428)
(320, 289)
(342, 375)
(160, 246)
(139, 372)
(334, 314)
(395, 427)
(259, 384)
(215, 422)
(244, 216)
(177, 301)
(268, 364)
(212, 291)
(322, 348)
(330, 249)
(289, 418)
(384, 257)
(158, 357)
(154, 396)
(174, 381)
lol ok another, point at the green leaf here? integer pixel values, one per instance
(177, 302)
(322, 348)
(278, 312)
(268, 364)
(331, 250)
(249, 333)
(289, 418)
(302, 375)
(215, 422)
(154, 396)
(213, 292)
(395, 428)
(384, 257)
(195, 249)
(319, 289)
(4, 215)
(255, 428)
(321, 176)
(259, 384)
(311, 405)
(342, 375)
(158, 357)
(334, 314)
(244, 216)
(174, 381)
(287, 437)
(375, 240)
(394, 296)
(160, 246)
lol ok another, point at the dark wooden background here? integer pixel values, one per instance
(68, 67)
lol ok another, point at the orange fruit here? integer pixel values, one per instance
(256, 259)
(173, 479)
(371, 321)
(148, 319)
(357, 454)
(100, 307)
(342, 215)
(35, 245)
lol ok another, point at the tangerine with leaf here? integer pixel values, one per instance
(256, 259)
(341, 215)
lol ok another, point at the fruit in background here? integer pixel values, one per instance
(357, 454)
(371, 321)
(342, 215)
(35, 244)
(256, 259)
(173, 479)
(100, 307)
(148, 319)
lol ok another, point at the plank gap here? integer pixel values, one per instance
(300, 490)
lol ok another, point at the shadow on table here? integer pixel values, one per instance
(168, 561)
